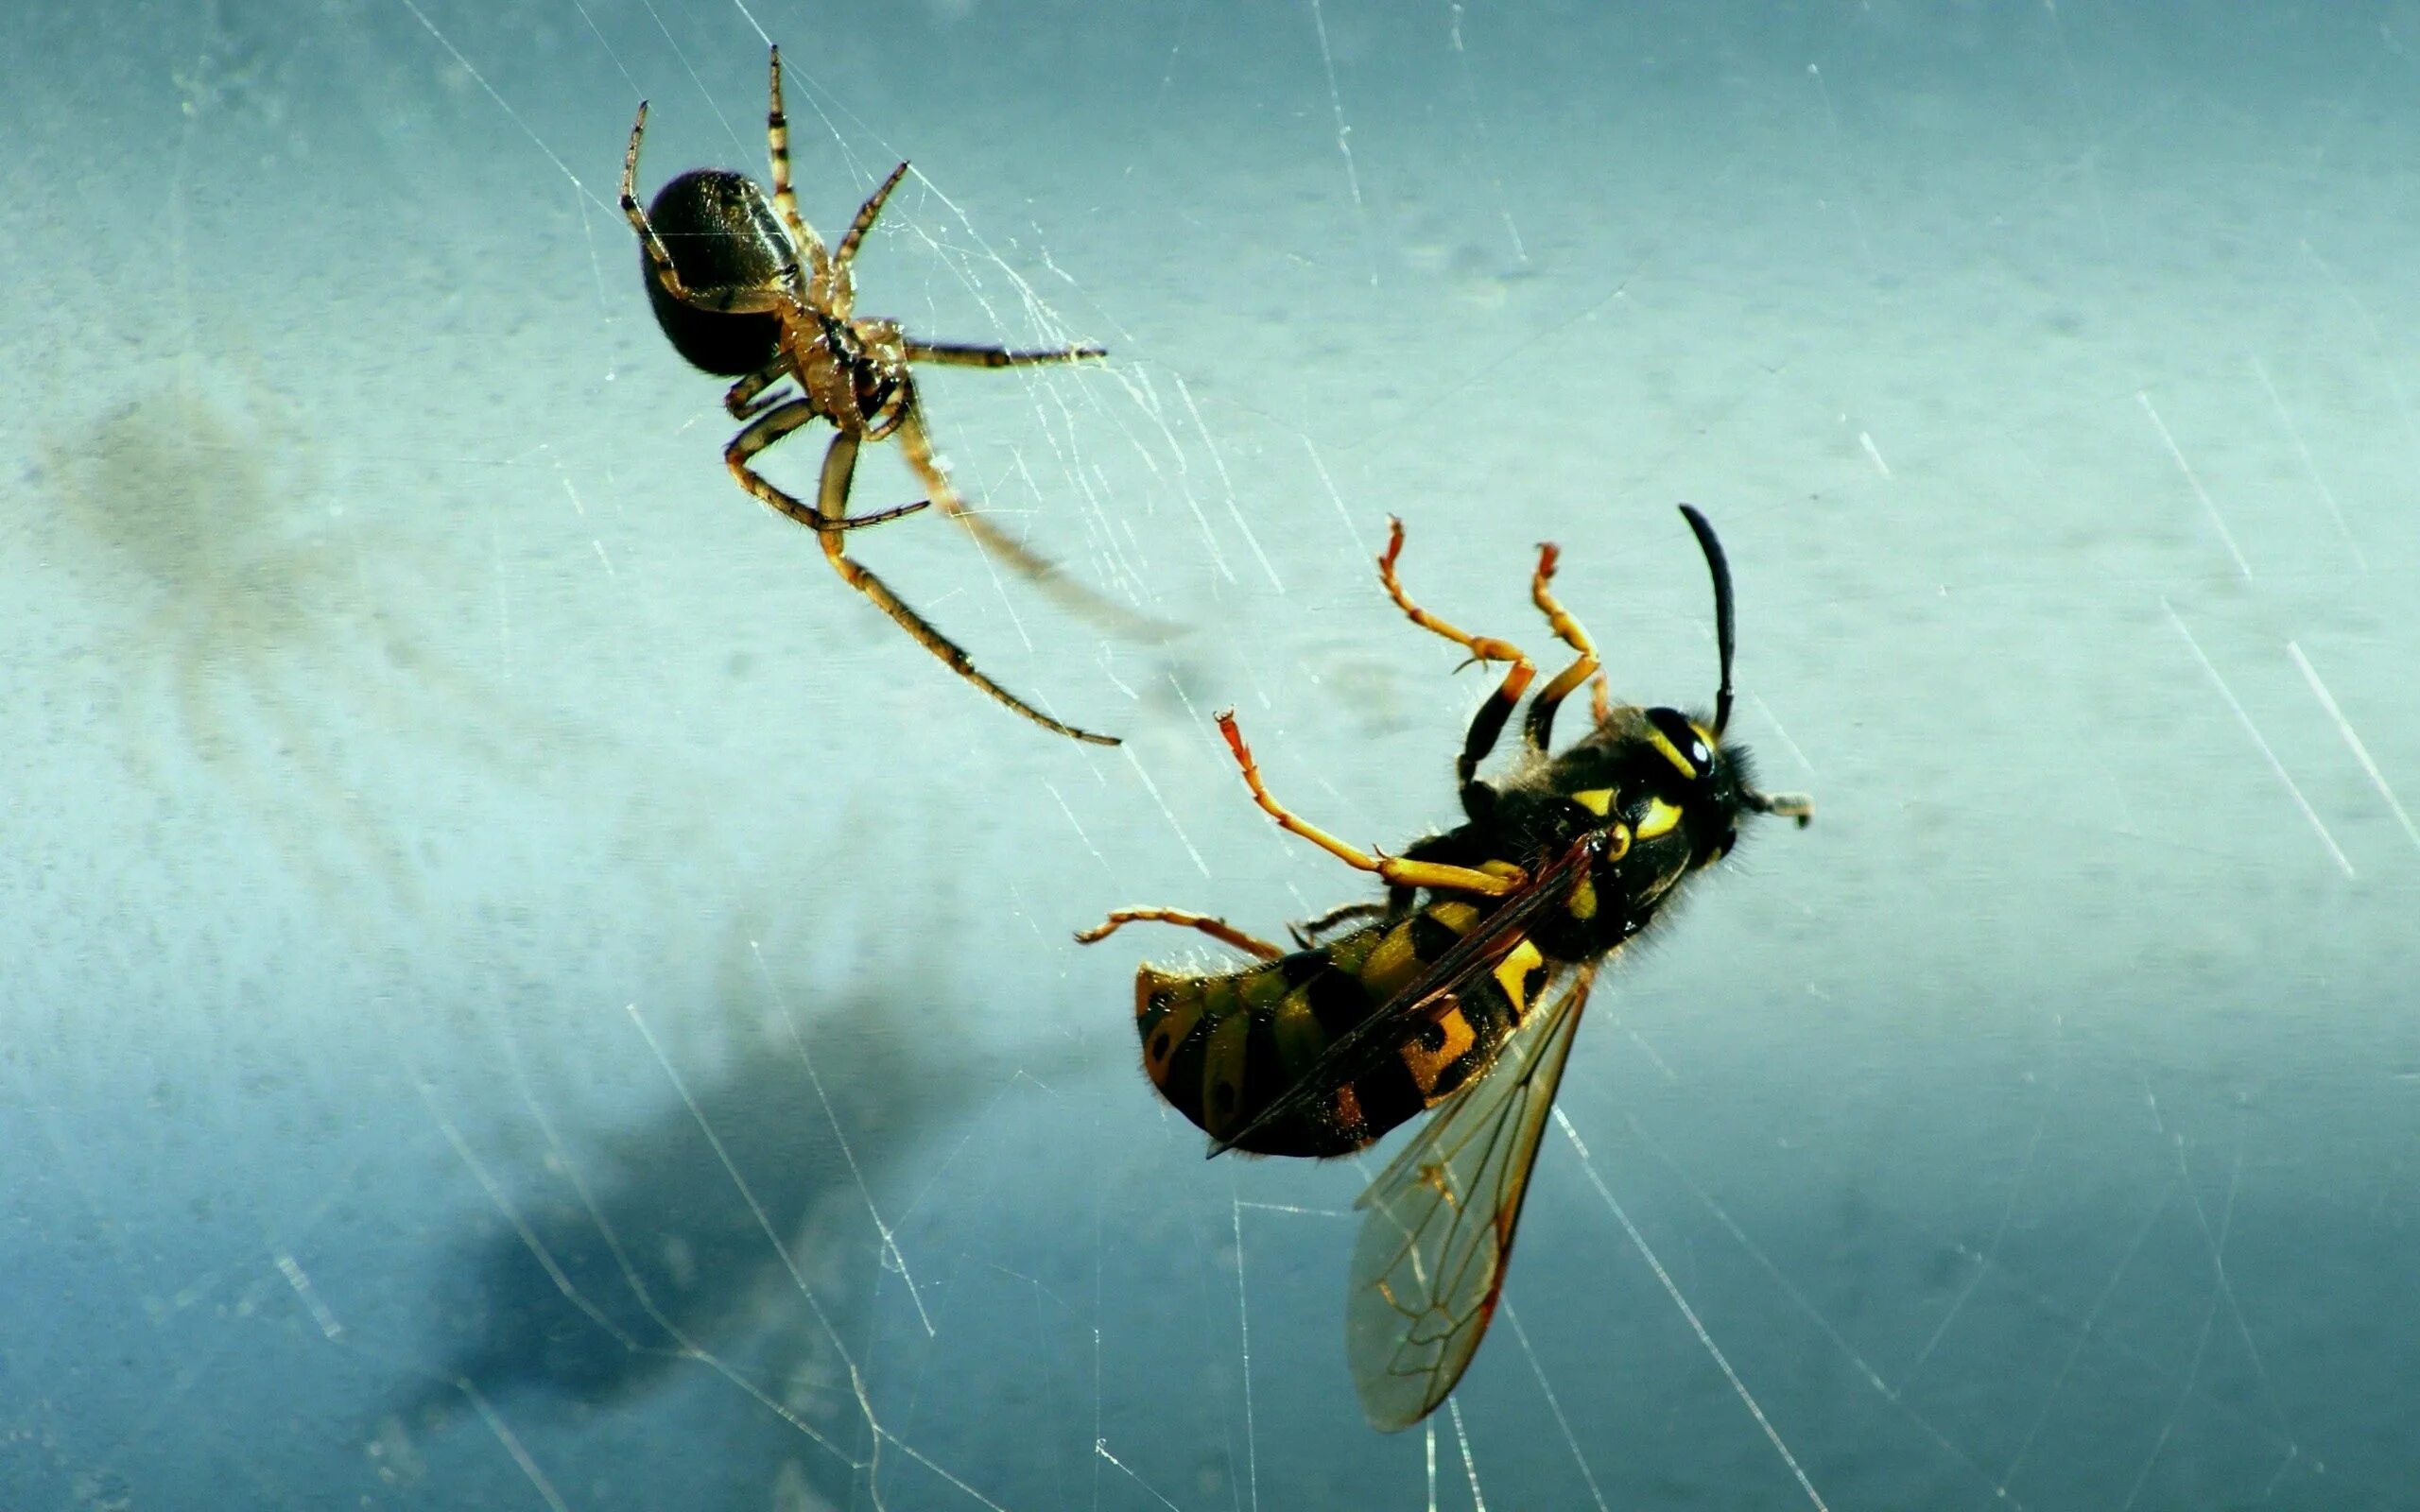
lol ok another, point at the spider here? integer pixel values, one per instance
(746, 290)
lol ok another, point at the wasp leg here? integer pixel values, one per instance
(916, 445)
(763, 431)
(1306, 933)
(1398, 871)
(777, 144)
(1537, 728)
(1218, 929)
(839, 465)
(1488, 724)
(1399, 899)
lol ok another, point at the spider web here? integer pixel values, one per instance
(523, 991)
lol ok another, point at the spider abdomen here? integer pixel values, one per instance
(731, 251)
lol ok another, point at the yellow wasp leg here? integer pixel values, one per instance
(1218, 929)
(1394, 869)
(1489, 723)
(1539, 726)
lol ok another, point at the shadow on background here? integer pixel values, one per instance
(615, 1274)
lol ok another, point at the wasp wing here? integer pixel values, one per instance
(1429, 1263)
(1430, 993)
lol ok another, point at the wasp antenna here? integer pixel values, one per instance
(1721, 567)
(1786, 805)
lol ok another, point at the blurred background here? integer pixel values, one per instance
(517, 988)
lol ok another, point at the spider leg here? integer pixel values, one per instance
(659, 257)
(1218, 929)
(1488, 724)
(763, 431)
(839, 465)
(846, 252)
(916, 445)
(1537, 729)
(959, 354)
(742, 399)
(738, 299)
(777, 142)
(1396, 871)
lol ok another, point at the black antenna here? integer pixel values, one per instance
(1720, 568)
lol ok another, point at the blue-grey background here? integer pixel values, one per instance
(518, 990)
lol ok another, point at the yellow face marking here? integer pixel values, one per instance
(1706, 735)
(1299, 1036)
(1658, 820)
(1426, 1065)
(1513, 976)
(1583, 902)
(1597, 800)
(1223, 1072)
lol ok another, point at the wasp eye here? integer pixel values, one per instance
(1682, 743)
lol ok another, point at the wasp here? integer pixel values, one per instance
(1462, 989)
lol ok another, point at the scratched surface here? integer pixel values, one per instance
(521, 991)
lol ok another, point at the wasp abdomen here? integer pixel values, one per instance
(1222, 1048)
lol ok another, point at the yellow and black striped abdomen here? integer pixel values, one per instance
(1222, 1048)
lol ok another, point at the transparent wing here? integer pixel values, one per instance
(1431, 995)
(1429, 1263)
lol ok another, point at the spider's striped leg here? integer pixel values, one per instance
(658, 255)
(916, 445)
(839, 466)
(1537, 729)
(737, 299)
(866, 213)
(961, 354)
(742, 398)
(1218, 929)
(1488, 724)
(763, 431)
(777, 141)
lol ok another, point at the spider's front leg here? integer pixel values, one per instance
(777, 144)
